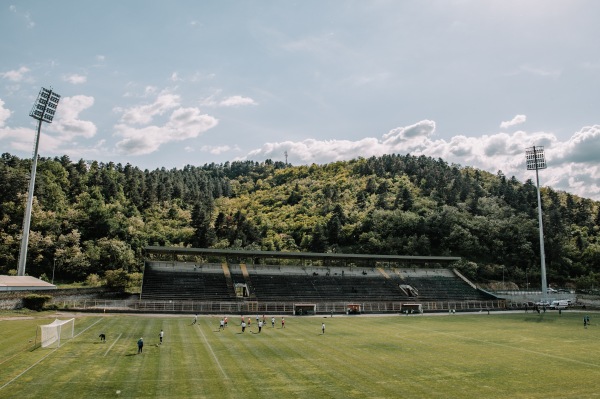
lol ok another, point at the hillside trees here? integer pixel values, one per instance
(93, 217)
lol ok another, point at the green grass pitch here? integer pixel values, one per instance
(502, 355)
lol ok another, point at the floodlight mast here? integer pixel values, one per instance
(43, 111)
(536, 161)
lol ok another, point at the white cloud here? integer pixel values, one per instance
(572, 165)
(183, 124)
(144, 114)
(216, 150)
(4, 113)
(15, 75)
(68, 123)
(235, 101)
(517, 120)
(57, 137)
(75, 79)
(583, 147)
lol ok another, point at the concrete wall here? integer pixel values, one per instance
(14, 299)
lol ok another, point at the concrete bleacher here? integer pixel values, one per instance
(215, 282)
(205, 282)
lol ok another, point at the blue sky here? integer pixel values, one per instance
(166, 84)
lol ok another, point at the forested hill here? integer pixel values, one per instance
(93, 217)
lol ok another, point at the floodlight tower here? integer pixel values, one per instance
(43, 111)
(536, 161)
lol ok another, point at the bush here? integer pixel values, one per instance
(116, 279)
(35, 301)
(135, 282)
(93, 280)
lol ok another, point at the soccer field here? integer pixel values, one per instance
(502, 355)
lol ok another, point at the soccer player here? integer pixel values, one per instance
(140, 345)
(243, 326)
(273, 322)
(222, 324)
(282, 322)
(195, 318)
(161, 335)
(323, 328)
(260, 324)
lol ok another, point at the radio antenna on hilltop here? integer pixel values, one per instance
(285, 153)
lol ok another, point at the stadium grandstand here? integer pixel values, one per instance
(240, 281)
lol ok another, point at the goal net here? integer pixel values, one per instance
(55, 332)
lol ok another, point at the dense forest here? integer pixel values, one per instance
(93, 218)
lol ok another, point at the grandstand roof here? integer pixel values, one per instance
(23, 283)
(239, 253)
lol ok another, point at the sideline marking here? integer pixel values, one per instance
(54, 350)
(213, 354)
(113, 344)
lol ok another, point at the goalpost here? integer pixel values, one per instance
(58, 330)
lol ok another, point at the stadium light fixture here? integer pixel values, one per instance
(43, 111)
(536, 161)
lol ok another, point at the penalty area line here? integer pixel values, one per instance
(44, 357)
(113, 344)
(27, 369)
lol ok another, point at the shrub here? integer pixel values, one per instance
(93, 280)
(116, 279)
(35, 301)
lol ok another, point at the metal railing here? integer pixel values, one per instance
(249, 307)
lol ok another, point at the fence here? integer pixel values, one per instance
(247, 307)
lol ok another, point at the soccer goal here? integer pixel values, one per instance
(52, 334)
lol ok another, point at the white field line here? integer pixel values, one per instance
(213, 354)
(113, 344)
(51, 352)
(567, 359)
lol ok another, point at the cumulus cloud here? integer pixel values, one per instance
(182, 124)
(75, 79)
(582, 147)
(58, 137)
(517, 120)
(143, 114)
(15, 75)
(572, 165)
(68, 123)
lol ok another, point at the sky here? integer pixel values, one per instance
(169, 84)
